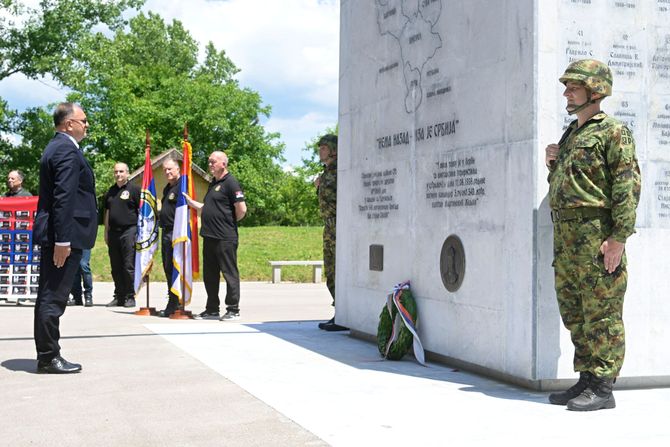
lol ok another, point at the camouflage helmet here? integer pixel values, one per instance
(595, 75)
(329, 140)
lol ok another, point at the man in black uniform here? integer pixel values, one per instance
(223, 207)
(122, 202)
(166, 222)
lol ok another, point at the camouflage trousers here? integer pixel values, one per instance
(329, 258)
(590, 299)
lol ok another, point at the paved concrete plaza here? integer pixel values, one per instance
(272, 379)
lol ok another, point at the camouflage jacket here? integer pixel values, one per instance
(597, 167)
(328, 194)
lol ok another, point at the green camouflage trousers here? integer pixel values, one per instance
(329, 258)
(590, 299)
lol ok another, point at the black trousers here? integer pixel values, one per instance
(220, 257)
(166, 255)
(121, 249)
(52, 294)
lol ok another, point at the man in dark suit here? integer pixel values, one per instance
(66, 224)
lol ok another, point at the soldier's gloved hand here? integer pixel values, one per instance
(612, 251)
(550, 154)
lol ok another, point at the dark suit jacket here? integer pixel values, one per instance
(66, 210)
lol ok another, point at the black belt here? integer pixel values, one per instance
(564, 214)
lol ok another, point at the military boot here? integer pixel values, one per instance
(597, 396)
(572, 392)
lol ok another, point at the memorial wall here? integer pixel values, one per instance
(445, 109)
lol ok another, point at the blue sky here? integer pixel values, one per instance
(287, 51)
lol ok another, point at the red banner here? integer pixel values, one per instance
(19, 258)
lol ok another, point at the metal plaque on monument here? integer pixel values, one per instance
(446, 107)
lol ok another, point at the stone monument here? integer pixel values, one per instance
(446, 107)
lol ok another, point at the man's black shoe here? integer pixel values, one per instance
(75, 302)
(323, 324)
(114, 303)
(165, 313)
(597, 396)
(57, 365)
(88, 302)
(334, 327)
(572, 392)
(130, 302)
(204, 315)
(230, 316)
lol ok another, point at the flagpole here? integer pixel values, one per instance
(146, 311)
(181, 313)
(183, 246)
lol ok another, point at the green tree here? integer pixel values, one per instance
(145, 75)
(39, 41)
(311, 165)
(5, 143)
(298, 201)
(35, 126)
(148, 77)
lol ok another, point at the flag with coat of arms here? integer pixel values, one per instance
(146, 240)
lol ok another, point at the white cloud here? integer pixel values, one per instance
(21, 92)
(296, 132)
(287, 50)
(277, 44)
(11, 138)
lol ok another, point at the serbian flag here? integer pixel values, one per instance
(193, 214)
(185, 236)
(146, 240)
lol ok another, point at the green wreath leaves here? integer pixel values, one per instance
(401, 345)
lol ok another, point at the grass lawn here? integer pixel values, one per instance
(258, 245)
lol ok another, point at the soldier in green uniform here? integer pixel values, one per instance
(326, 187)
(594, 190)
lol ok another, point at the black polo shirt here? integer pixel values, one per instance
(169, 205)
(123, 204)
(218, 212)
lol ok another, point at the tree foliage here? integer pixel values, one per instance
(148, 77)
(38, 41)
(146, 74)
(43, 41)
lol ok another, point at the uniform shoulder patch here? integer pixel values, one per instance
(626, 136)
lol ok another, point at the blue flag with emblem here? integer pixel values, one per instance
(146, 240)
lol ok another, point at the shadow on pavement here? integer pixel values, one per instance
(365, 355)
(337, 346)
(25, 365)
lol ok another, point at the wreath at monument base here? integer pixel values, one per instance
(394, 338)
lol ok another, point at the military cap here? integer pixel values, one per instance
(595, 75)
(329, 140)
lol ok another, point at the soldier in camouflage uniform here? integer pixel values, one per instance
(326, 186)
(594, 189)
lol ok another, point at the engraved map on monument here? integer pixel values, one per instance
(411, 24)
